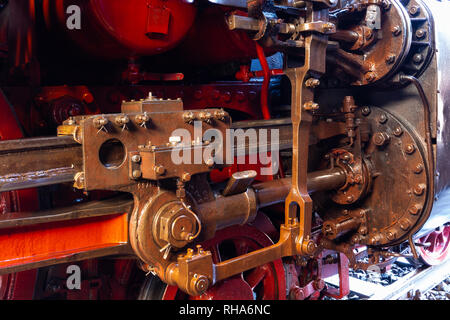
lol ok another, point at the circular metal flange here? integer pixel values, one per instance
(382, 57)
(422, 50)
(399, 188)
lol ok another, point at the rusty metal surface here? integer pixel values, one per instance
(439, 213)
(36, 162)
(85, 210)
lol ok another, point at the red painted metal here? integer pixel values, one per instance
(344, 279)
(121, 29)
(437, 246)
(266, 282)
(210, 41)
(59, 240)
(17, 285)
(265, 86)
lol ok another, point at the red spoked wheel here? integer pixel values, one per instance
(436, 246)
(266, 282)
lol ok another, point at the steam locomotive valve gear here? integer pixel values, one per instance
(342, 145)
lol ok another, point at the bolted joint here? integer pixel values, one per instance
(188, 117)
(100, 122)
(312, 83)
(310, 106)
(380, 139)
(199, 284)
(121, 120)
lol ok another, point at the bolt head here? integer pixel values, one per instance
(404, 224)
(420, 33)
(380, 139)
(390, 58)
(396, 30)
(390, 235)
(370, 76)
(186, 177)
(137, 174)
(398, 131)
(410, 148)
(136, 158)
(382, 118)
(415, 209)
(160, 170)
(418, 168)
(365, 111)
(417, 58)
(419, 189)
(414, 10)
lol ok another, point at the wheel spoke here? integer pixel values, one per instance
(215, 253)
(255, 276)
(240, 246)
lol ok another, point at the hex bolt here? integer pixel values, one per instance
(414, 10)
(205, 116)
(380, 139)
(398, 131)
(396, 30)
(417, 58)
(415, 209)
(312, 83)
(136, 158)
(310, 106)
(409, 149)
(418, 168)
(327, 27)
(137, 174)
(141, 119)
(121, 120)
(370, 76)
(390, 235)
(160, 170)
(79, 180)
(188, 117)
(365, 111)
(186, 177)
(297, 293)
(200, 284)
(390, 58)
(219, 115)
(100, 122)
(419, 189)
(404, 224)
(420, 33)
(382, 118)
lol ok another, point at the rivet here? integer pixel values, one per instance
(409, 149)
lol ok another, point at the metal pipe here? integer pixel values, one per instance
(275, 191)
(242, 208)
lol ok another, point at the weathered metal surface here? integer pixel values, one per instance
(35, 162)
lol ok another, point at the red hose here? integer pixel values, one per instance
(265, 86)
